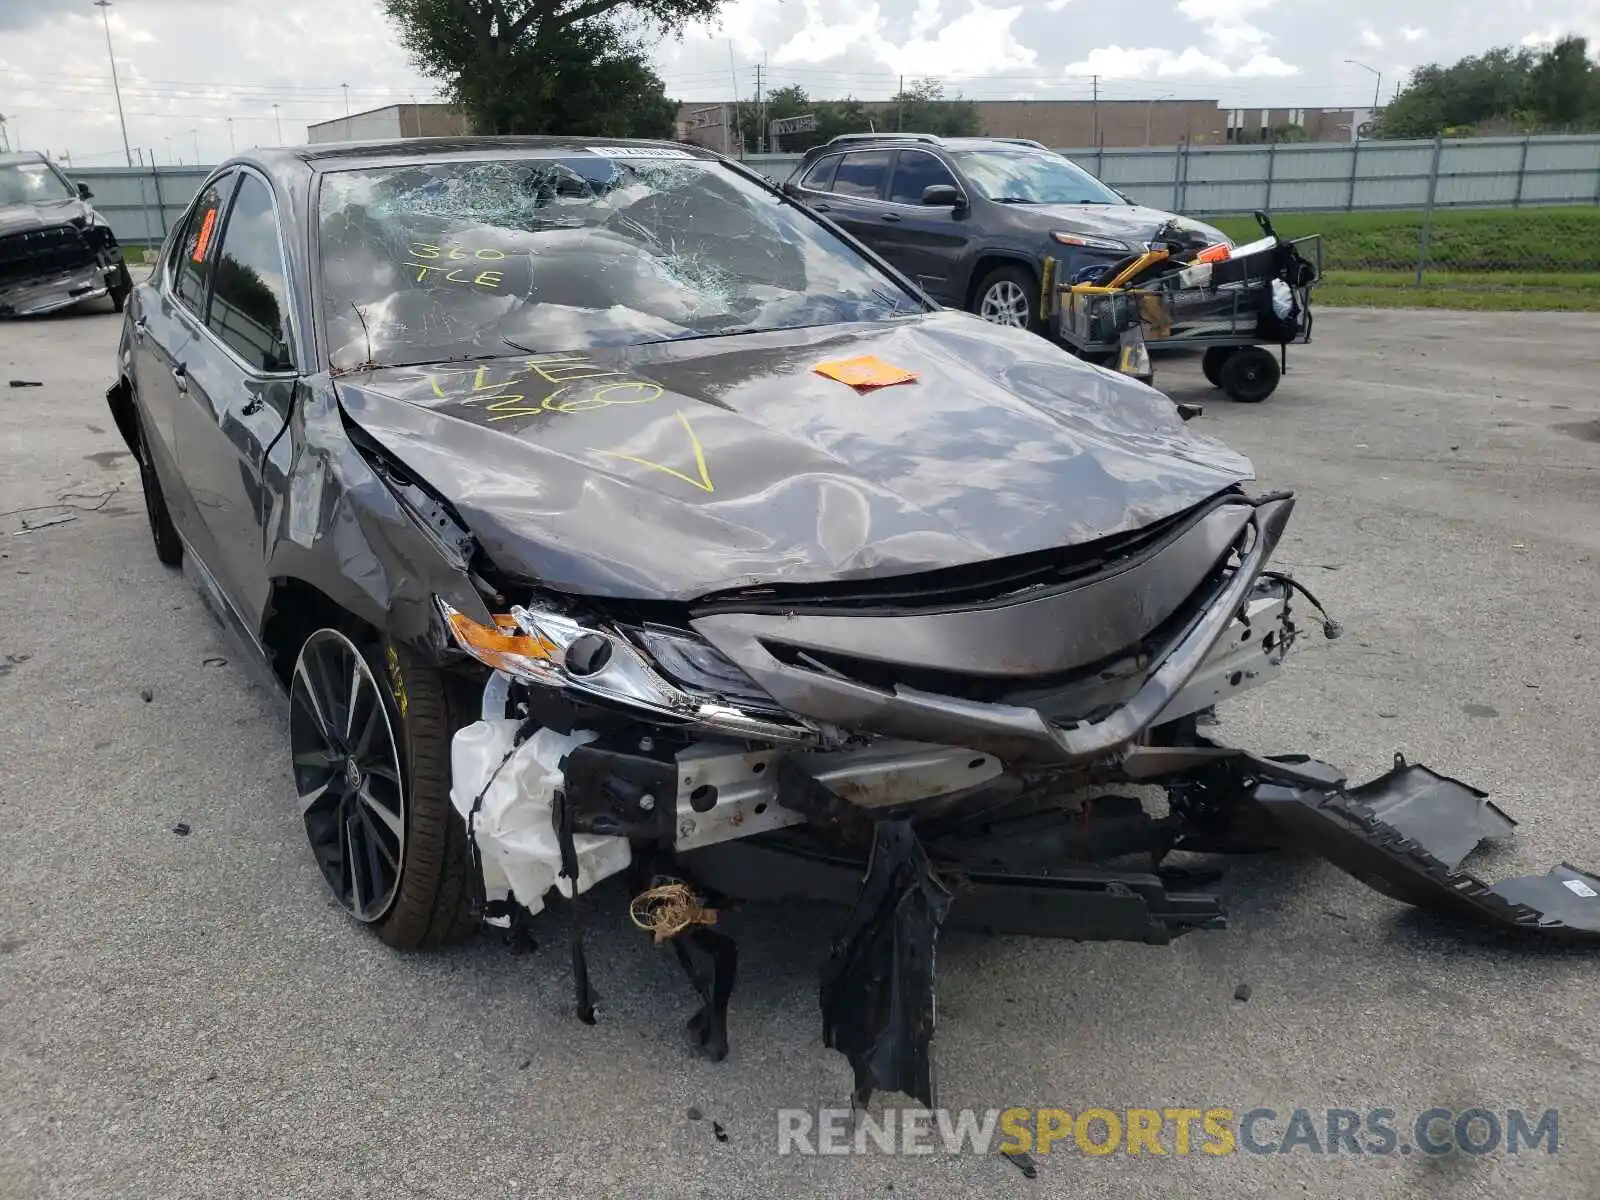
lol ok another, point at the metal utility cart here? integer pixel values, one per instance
(1232, 308)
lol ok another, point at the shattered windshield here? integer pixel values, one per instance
(427, 262)
(32, 183)
(1032, 177)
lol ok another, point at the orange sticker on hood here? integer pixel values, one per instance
(865, 373)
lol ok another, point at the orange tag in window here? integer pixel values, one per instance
(865, 373)
(204, 240)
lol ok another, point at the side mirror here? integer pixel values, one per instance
(943, 195)
(84, 193)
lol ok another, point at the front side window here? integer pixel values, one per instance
(196, 251)
(820, 177)
(427, 262)
(914, 172)
(1024, 176)
(249, 295)
(862, 174)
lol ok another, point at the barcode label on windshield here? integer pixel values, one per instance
(638, 152)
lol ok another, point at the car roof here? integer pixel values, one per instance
(401, 150)
(287, 164)
(847, 142)
(21, 156)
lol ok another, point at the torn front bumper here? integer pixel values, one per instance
(1058, 630)
(1405, 833)
(37, 296)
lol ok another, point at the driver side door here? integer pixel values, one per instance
(240, 376)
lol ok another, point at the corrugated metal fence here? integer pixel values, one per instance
(1329, 177)
(142, 203)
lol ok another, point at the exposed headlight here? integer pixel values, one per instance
(503, 646)
(1090, 243)
(552, 649)
(690, 661)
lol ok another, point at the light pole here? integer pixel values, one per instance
(195, 133)
(279, 119)
(170, 160)
(346, 88)
(105, 17)
(1377, 88)
(1148, 106)
(232, 147)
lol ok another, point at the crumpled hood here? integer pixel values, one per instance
(19, 218)
(680, 469)
(1132, 223)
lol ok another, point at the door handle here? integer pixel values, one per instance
(139, 327)
(180, 376)
(820, 208)
(892, 218)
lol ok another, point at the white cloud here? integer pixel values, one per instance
(927, 18)
(1117, 62)
(1225, 26)
(1056, 5)
(1370, 38)
(977, 42)
(1266, 66)
(1413, 33)
(820, 41)
(1541, 38)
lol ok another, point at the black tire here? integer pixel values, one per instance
(1213, 361)
(434, 898)
(1250, 375)
(122, 288)
(169, 546)
(440, 893)
(991, 289)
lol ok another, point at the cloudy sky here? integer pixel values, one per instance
(199, 75)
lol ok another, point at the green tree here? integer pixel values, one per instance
(1506, 88)
(922, 108)
(571, 66)
(1561, 84)
(833, 118)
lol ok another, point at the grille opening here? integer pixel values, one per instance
(37, 253)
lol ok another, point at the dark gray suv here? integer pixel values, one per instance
(973, 219)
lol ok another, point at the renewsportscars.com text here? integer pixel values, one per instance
(1158, 1132)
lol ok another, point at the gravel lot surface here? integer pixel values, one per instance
(187, 1016)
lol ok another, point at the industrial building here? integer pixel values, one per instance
(1058, 123)
(394, 121)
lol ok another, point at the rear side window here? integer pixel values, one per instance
(197, 249)
(914, 171)
(820, 177)
(862, 174)
(249, 296)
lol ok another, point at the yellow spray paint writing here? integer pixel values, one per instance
(397, 683)
(502, 404)
(454, 253)
(701, 479)
(485, 279)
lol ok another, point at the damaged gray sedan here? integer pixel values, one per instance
(601, 512)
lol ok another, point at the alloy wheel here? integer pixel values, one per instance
(347, 774)
(1005, 304)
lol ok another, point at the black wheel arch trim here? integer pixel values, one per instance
(986, 261)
